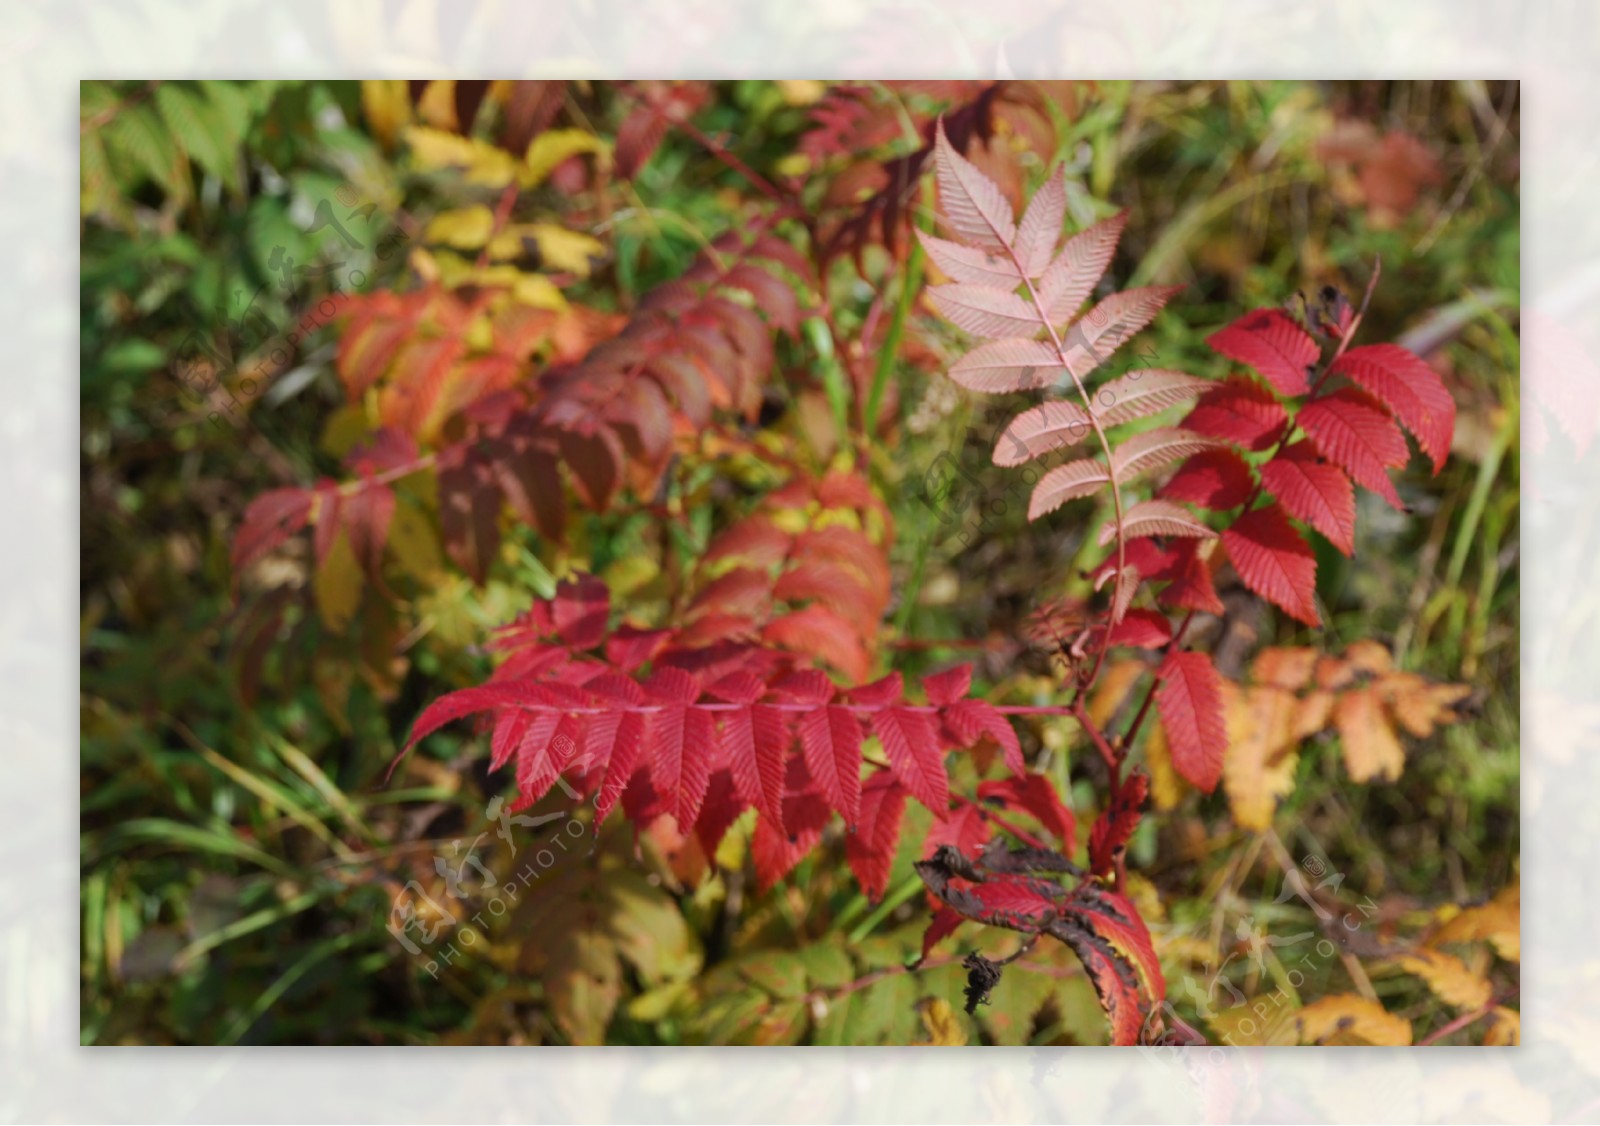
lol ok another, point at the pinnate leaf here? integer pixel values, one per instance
(1312, 490)
(1274, 561)
(1240, 411)
(1274, 345)
(1189, 698)
(1008, 365)
(912, 746)
(1356, 434)
(1218, 479)
(830, 738)
(1054, 425)
(1067, 482)
(984, 311)
(1041, 224)
(870, 847)
(1142, 393)
(971, 204)
(971, 265)
(1152, 449)
(1082, 261)
(1156, 518)
(1409, 387)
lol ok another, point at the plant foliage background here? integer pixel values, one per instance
(287, 287)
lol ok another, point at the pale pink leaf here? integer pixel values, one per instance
(1156, 518)
(985, 311)
(970, 264)
(1067, 482)
(1072, 276)
(1098, 333)
(973, 206)
(1140, 394)
(1055, 425)
(1154, 448)
(1041, 224)
(1008, 365)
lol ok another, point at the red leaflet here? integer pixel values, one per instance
(943, 924)
(1116, 824)
(971, 720)
(830, 738)
(1214, 479)
(1312, 490)
(835, 586)
(911, 743)
(1405, 383)
(819, 632)
(367, 513)
(757, 541)
(880, 693)
(580, 610)
(1274, 345)
(1191, 586)
(1019, 904)
(1351, 430)
(870, 848)
(967, 830)
(949, 687)
(1274, 561)
(721, 809)
(269, 520)
(1189, 698)
(1035, 795)
(1142, 629)
(1105, 931)
(623, 733)
(1240, 411)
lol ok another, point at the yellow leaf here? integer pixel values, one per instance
(387, 107)
(466, 228)
(565, 250)
(433, 149)
(1284, 667)
(941, 1024)
(539, 292)
(554, 146)
(801, 91)
(629, 572)
(1311, 714)
(1448, 978)
(1499, 922)
(1166, 787)
(1258, 766)
(1347, 1018)
(1505, 1028)
(1112, 689)
(1333, 673)
(1370, 747)
(1418, 705)
(344, 428)
(437, 106)
(1263, 1024)
(337, 585)
(414, 543)
(1369, 657)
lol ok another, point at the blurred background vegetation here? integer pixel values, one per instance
(240, 851)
